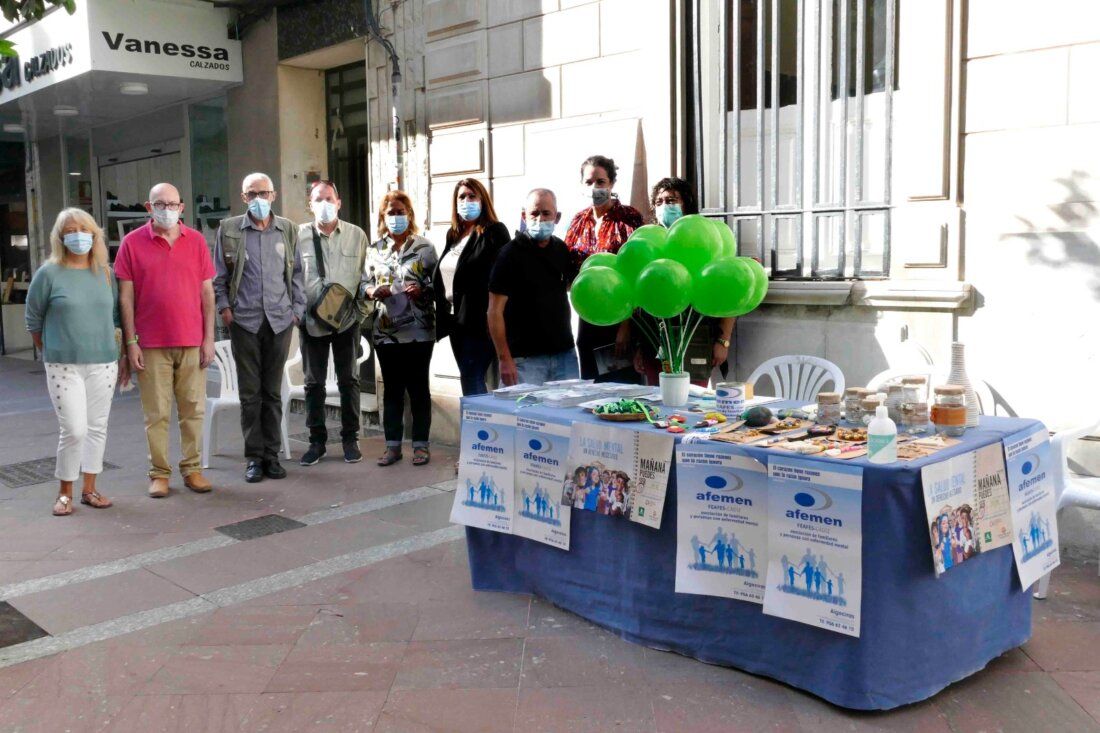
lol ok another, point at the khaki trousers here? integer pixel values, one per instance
(172, 373)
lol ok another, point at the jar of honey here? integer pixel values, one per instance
(949, 411)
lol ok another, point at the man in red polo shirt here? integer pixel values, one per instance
(166, 301)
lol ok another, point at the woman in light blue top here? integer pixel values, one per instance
(72, 314)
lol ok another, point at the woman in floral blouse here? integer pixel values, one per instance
(602, 227)
(398, 277)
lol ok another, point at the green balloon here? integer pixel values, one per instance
(693, 241)
(724, 288)
(600, 259)
(663, 289)
(729, 242)
(760, 287)
(601, 296)
(645, 245)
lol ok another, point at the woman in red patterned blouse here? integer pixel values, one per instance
(602, 227)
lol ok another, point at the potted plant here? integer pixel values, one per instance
(678, 277)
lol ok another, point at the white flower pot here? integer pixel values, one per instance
(674, 388)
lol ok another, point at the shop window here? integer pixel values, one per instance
(211, 198)
(801, 112)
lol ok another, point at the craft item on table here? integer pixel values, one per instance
(706, 423)
(828, 408)
(757, 417)
(661, 424)
(741, 437)
(949, 412)
(718, 416)
(868, 404)
(800, 414)
(852, 435)
(846, 451)
(915, 417)
(623, 411)
(853, 412)
(819, 431)
(913, 449)
(786, 425)
(676, 428)
(915, 388)
(895, 397)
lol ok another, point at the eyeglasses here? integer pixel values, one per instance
(262, 194)
(171, 206)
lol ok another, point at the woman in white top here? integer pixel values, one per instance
(461, 281)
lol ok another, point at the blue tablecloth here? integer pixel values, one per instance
(919, 634)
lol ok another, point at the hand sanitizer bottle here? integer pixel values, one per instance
(882, 437)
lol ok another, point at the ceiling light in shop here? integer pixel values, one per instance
(134, 88)
(64, 110)
(13, 128)
(75, 173)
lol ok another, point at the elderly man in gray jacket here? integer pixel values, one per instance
(333, 252)
(261, 296)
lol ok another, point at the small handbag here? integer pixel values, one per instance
(332, 307)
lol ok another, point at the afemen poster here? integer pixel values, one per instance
(815, 542)
(617, 472)
(721, 524)
(1034, 506)
(541, 452)
(486, 471)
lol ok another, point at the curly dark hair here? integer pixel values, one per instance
(601, 161)
(680, 186)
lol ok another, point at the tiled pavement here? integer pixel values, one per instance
(364, 619)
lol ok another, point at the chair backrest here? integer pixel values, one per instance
(799, 377)
(227, 367)
(880, 380)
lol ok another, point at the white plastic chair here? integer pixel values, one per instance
(1072, 489)
(292, 390)
(798, 377)
(880, 380)
(228, 397)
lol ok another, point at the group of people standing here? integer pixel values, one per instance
(501, 299)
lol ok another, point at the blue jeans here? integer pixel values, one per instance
(474, 354)
(547, 367)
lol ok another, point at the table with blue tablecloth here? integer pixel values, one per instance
(919, 633)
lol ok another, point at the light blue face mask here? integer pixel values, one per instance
(79, 243)
(469, 210)
(541, 230)
(669, 213)
(260, 208)
(397, 224)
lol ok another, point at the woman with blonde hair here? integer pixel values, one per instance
(72, 314)
(461, 281)
(398, 276)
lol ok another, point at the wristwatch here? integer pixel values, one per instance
(724, 342)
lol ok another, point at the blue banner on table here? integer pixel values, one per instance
(815, 540)
(541, 451)
(1034, 505)
(721, 524)
(486, 471)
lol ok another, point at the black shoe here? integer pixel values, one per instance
(316, 450)
(272, 469)
(352, 454)
(255, 472)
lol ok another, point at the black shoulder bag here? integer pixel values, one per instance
(333, 305)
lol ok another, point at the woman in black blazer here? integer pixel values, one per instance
(474, 240)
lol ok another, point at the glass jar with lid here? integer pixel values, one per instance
(914, 417)
(895, 398)
(828, 408)
(949, 410)
(915, 388)
(868, 405)
(853, 412)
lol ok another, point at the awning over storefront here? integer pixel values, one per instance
(113, 60)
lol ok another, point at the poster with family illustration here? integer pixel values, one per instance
(542, 449)
(967, 506)
(617, 472)
(721, 524)
(1034, 505)
(486, 471)
(815, 543)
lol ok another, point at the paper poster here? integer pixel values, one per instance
(542, 449)
(721, 524)
(815, 542)
(486, 471)
(966, 503)
(617, 472)
(1034, 505)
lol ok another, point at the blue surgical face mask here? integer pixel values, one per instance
(260, 208)
(668, 213)
(469, 210)
(323, 211)
(79, 243)
(397, 224)
(541, 230)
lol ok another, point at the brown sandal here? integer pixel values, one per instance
(421, 456)
(63, 507)
(95, 499)
(390, 457)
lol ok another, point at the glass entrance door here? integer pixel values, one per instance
(348, 135)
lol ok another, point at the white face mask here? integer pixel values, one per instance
(166, 218)
(324, 211)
